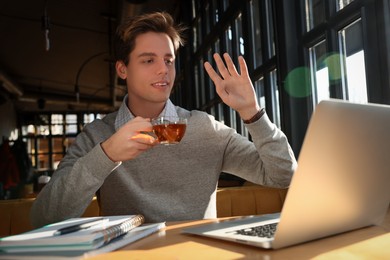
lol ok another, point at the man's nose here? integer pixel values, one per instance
(162, 67)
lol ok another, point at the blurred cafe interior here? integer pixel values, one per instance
(57, 71)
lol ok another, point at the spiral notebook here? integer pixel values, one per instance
(103, 237)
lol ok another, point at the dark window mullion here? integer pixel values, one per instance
(268, 60)
(376, 57)
(50, 143)
(248, 37)
(267, 25)
(268, 94)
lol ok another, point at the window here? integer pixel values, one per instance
(256, 45)
(236, 28)
(48, 136)
(337, 67)
(239, 28)
(343, 3)
(259, 88)
(353, 64)
(319, 72)
(332, 48)
(275, 99)
(270, 39)
(315, 13)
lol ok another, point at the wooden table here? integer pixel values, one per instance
(171, 244)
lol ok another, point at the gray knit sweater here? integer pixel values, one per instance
(166, 183)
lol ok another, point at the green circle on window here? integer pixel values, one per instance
(332, 62)
(297, 83)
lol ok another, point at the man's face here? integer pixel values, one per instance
(151, 69)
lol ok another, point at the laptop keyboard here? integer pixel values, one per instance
(267, 231)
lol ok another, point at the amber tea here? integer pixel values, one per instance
(169, 131)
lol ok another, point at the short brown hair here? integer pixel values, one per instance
(130, 28)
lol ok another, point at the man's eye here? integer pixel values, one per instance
(169, 62)
(148, 61)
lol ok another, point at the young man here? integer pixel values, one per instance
(132, 173)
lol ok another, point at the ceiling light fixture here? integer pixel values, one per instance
(46, 27)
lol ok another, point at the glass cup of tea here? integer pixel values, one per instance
(169, 129)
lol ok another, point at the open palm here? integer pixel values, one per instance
(235, 89)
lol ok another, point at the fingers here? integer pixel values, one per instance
(130, 140)
(243, 67)
(230, 65)
(137, 149)
(212, 74)
(221, 66)
(137, 125)
(142, 134)
(225, 71)
(144, 139)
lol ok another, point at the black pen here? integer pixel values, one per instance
(77, 227)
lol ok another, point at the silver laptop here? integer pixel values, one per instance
(341, 183)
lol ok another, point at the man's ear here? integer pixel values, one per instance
(121, 69)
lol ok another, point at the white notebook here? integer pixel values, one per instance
(105, 236)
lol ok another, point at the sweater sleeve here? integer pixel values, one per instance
(269, 160)
(73, 185)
